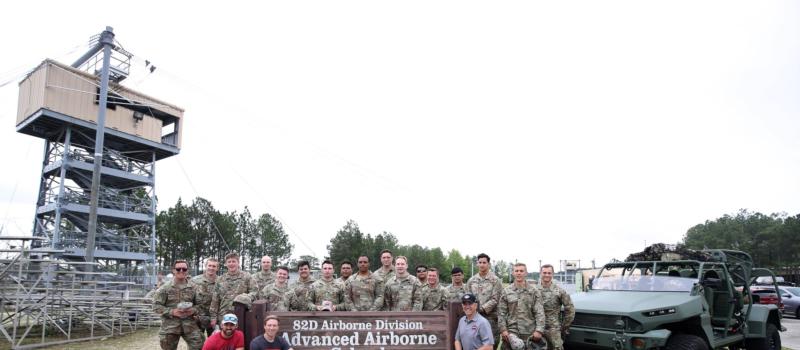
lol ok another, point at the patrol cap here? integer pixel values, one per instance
(469, 298)
(230, 318)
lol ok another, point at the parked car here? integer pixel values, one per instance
(766, 295)
(767, 280)
(791, 300)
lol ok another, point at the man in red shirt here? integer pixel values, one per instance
(229, 338)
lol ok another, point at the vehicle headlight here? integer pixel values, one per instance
(660, 312)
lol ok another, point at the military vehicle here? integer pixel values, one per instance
(696, 303)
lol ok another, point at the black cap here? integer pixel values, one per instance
(469, 298)
(456, 270)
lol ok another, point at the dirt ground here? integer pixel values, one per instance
(142, 339)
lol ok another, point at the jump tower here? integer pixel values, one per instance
(94, 225)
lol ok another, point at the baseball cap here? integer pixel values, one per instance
(327, 305)
(230, 318)
(469, 298)
(540, 345)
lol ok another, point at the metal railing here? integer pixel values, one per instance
(107, 199)
(111, 159)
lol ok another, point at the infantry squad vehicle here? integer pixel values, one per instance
(697, 303)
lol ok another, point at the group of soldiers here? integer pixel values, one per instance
(521, 311)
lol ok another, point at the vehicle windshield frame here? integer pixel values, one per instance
(651, 276)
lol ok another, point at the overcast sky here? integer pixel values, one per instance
(526, 130)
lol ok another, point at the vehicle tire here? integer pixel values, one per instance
(686, 342)
(771, 342)
(797, 312)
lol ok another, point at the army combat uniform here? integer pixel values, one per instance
(454, 293)
(520, 313)
(402, 294)
(173, 328)
(434, 299)
(384, 276)
(323, 290)
(488, 290)
(262, 279)
(364, 293)
(553, 297)
(277, 297)
(204, 289)
(298, 294)
(227, 288)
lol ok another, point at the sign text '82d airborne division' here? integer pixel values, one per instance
(696, 302)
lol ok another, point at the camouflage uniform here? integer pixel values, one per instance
(298, 298)
(205, 292)
(277, 297)
(520, 311)
(488, 290)
(323, 290)
(434, 299)
(364, 293)
(553, 297)
(454, 293)
(403, 294)
(383, 276)
(262, 279)
(165, 300)
(227, 288)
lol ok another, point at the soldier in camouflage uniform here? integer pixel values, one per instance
(299, 290)
(520, 314)
(345, 271)
(327, 293)
(277, 293)
(457, 289)
(488, 288)
(265, 275)
(422, 274)
(386, 271)
(434, 295)
(204, 285)
(232, 285)
(178, 322)
(553, 298)
(363, 291)
(403, 292)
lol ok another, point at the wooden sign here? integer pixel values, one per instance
(431, 330)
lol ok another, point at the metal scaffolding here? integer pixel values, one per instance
(49, 301)
(126, 206)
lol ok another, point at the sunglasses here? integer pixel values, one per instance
(418, 271)
(181, 269)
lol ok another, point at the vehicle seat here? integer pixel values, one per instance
(723, 308)
(710, 293)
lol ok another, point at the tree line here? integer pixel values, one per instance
(773, 240)
(198, 231)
